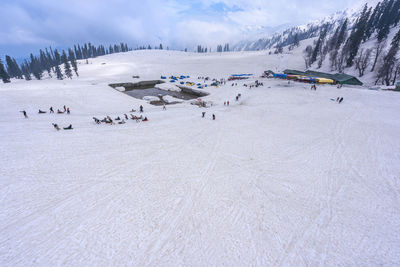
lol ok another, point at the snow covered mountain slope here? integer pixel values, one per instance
(307, 31)
(285, 176)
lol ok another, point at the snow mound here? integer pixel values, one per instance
(151, 98)
(120, 88)
(167, 87)
(170, 99)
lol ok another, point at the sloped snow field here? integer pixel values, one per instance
(285, 176)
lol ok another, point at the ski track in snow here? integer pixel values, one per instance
(283, 177)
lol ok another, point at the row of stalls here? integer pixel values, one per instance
(234, 77)
(310, 76)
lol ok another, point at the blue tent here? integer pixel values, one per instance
(280, 76)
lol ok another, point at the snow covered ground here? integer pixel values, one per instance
(285, 176)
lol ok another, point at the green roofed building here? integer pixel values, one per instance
(294, 72)
(338, 77)
(346, 79)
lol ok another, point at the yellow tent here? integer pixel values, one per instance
(325, 81)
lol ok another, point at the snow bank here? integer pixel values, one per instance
(167, 87)
(151, 98)
(170, 99)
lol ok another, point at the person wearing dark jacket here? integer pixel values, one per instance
(56, 126)
(213, 117)
(25, 115)
(51, 110)
(141, 108)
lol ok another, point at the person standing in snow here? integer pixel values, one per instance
(203, 114)
(25, 115)
(68, 112)
(164, 108)
(65, 109)
(126, 117)
(51, 110)
(340, 100)
(141, 108)
(56, 126)
(213, 117)
(227, 103)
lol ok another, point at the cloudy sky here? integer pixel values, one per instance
(27, 25)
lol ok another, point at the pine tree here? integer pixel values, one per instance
(25, 69)
(35, 67)
(58, 72)
(356, 36)
(318, 45)
(296, 41)
(18, 69)
(57, 58)
(13, 69)
(342, 34)
(371, 22)
(384, 22)
(3, 73)
(67, 67)
(73, 61)
(386, 71)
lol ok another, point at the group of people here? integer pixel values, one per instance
(256, 84)
(339, 99)
(203, 115)
(109, 120)
(55, 125)
(51, 110)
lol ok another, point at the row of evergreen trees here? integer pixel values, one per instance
(203, 49)
(50, 60)
(148, 47)
(344, 45)
(224, 49)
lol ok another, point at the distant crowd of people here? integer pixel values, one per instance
(51, 110)
(118, 120)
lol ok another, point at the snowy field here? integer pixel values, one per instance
(283, 177)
